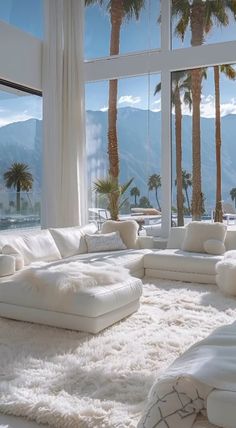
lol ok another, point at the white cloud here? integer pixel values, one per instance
(129, 99)
(156, 106)
(207, 107)
(105, 108)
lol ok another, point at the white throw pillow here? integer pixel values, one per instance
(198, 232)
(212, 246)
(7, 265)
(71, 240)
(107, 242)
(128, 231)
(19, 259)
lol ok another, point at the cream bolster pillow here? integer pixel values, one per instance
(19, 259)
(198, 232)
(212, 246)
(7, 265)
(107, 242)
(128, 231)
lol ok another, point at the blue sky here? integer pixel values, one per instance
(24, 14)
(136, 36)
(142, 35)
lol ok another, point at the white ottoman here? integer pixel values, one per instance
(226, 275)
(91, 310)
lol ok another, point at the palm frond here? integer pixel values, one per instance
(125, 186)
(157, 88)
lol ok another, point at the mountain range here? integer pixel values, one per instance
(139, 134)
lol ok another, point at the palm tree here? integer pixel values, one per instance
(119, 10)
(136, 193)
(181, 84)
(229, 72)
(233, 195)
(19, 177)
(186, 183)
(200, 16)
(114, 192)
(154, 182)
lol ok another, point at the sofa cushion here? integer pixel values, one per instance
(198, 232)
(71, 240)
(130, 259)
(104, 242)
(181, 261)
(128, 231)
(176, 237)
(36, 247)
(212, 246)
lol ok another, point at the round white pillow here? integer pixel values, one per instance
(213, 246)
(7, 265)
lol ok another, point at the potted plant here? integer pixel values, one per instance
(114, 191)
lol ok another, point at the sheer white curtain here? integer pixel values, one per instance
(64, 193)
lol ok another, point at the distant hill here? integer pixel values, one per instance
(140, 149)
(139, 144)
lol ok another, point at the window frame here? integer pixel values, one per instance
(163, 61)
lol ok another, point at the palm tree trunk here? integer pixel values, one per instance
(187, 198)
(196, 79)
(116, 16)
(178, 144)
(18, 198)
(135, 200)
(157, 199)
(218, 207)
(197, 29)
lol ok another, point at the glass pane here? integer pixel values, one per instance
(24, 14)
(208, 174)
(139, 146)
(139, 29)
(21, 153)
(196, 22)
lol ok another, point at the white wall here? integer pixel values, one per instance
(21, 57)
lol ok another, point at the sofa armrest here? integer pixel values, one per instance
(145, 242)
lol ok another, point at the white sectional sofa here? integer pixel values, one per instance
(97, 307)
(94, 308)
(175, 264)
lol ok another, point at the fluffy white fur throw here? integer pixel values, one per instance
(67, 278)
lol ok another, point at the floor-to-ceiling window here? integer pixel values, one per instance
(190, 45)
(21, 157)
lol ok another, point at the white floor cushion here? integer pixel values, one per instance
(221, 408)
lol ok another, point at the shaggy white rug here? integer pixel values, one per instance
(70, 379)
